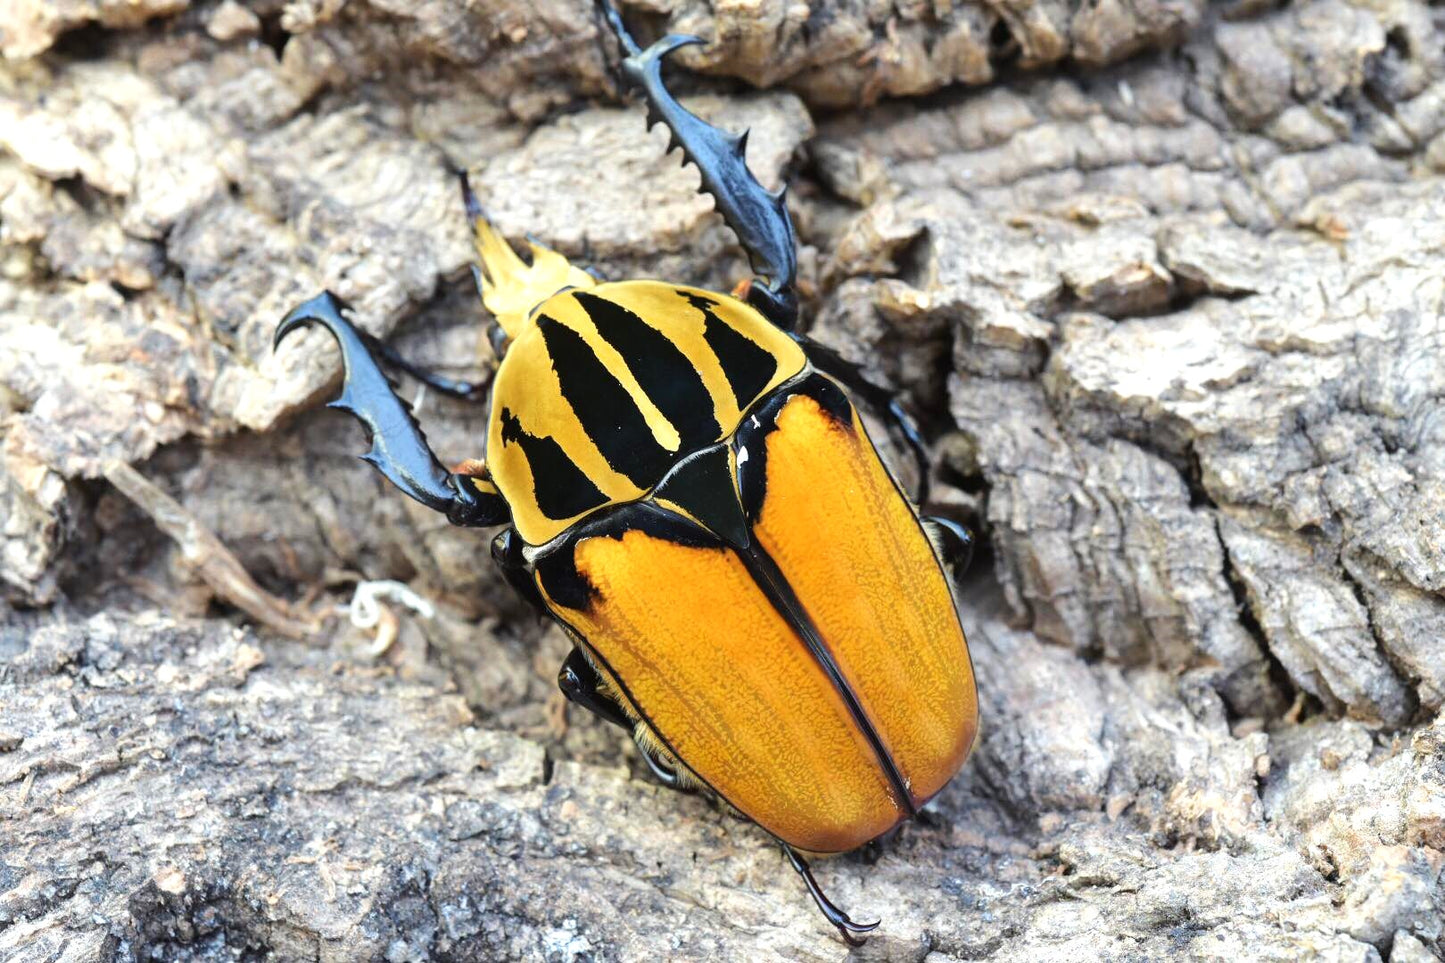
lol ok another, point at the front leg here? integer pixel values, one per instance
(398, 448)
(758, 217)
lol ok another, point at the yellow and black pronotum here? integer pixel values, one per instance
(689, 492)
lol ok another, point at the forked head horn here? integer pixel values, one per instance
(510, 287)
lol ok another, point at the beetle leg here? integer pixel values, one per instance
(955, 543)
(846, 927)
(581, 684)
(664, 775)
(834, 365)
(451, 387)
(398, 447)
(507, 553)
(758, 217)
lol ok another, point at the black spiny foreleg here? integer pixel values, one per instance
(758, 217)
(398, 448)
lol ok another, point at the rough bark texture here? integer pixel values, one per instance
(1166, 282)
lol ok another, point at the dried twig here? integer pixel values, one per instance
(206, 554)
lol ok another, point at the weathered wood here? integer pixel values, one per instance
(1168, 294)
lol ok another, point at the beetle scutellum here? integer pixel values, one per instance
(689, 492)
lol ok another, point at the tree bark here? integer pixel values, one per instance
(1164, 281)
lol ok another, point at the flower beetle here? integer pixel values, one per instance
(689, 492)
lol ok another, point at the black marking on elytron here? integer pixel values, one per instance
(882, 401)
(751, 441)
(561, 582)
(702, 485)
(556, 565)
(663, 372)
(747, 366)
(603, 407)
(779, 592)
(831, 398)
(556, 568)
(560, 488)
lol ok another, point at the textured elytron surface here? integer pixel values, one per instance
(863, 568)
(747, 687)
(734, 692)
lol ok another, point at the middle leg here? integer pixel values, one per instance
(881, 400)
(451, 387)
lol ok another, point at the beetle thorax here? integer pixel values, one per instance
(605, 389)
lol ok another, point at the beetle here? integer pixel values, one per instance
(688, 490)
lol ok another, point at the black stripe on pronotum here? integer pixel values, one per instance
(603, 407)
(661, 369)
(747, 366)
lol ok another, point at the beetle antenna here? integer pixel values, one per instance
(846, 927)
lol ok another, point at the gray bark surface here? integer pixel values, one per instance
(1165, 281)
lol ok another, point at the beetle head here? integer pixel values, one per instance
(511, 287)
